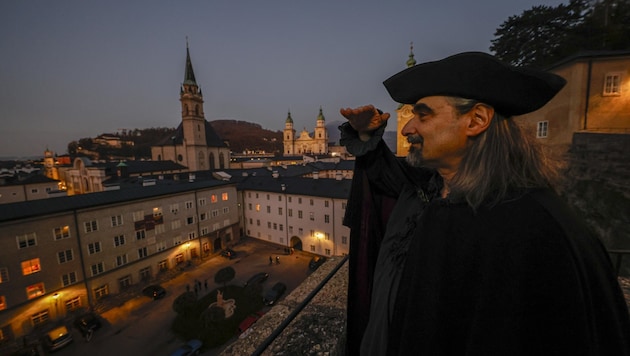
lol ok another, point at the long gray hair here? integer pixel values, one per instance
(499, 162)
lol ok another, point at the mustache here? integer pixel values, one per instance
(415, 139)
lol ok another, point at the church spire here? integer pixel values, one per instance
(189, 75)
(411, 61)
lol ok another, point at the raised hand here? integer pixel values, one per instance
(364, 119)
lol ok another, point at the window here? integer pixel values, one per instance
(190, 220)
(290, 229)
(142, 252)
(299, 214)
(160, 246)
(157, 212)
(138, 215)
(34, 190)
(542, 129)
(327, 251)
(279, 211)
(40, 318)
(327, 219)
(31, 266)
(176, 224)
(343, 205)
(257, 207)
(267, 196)
(300, 231)
(62, 232)
(290, 200)
(69, 278)
(145, 274)
(269, 224)
(159, 229)
(189, 205)
(3, 306)
(202, 201)
(312, 248)
(163, 265)
(249, 206)
(257, 222)
(73, 304)
(94, 247)
(344, 240)
(612, 84)
(97, 268)
(311, 216)
(275, 226)
(191, 235)
(226, 210)
(119, 240)
(213, 198)
(91, 226)
(224, 196)
(279, 197)
(203, 216)
(268, 209)
(174, 208)
(121, 260)
(4, 274)
(35, 290)
(205, 231)
(281, 227)
(327, 236)
(26, 240)
(311, 201)
(64, 256)
(117, 220)
(290, 212)
(101, 291)
(299, 200)
(325, 203)
(141, 234)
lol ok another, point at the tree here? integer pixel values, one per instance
(544, 35)
(224, 275)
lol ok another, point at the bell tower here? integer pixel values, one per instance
(320, 144)
(289, 136)
(193, 118)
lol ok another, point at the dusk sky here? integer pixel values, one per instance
(75, 69)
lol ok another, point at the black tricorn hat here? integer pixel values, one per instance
(479, 76)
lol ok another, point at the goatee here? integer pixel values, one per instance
(414, 157)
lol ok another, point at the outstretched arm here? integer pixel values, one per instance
(365, 120)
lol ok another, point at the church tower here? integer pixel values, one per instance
(321, 135)
(289, 136)
(193, 119)
(404, 113)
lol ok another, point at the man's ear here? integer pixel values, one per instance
(480, 118)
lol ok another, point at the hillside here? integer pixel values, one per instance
(246, 136)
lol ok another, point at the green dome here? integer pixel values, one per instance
(289, 119)
(321, 115)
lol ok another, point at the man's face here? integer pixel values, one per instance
(437, 135)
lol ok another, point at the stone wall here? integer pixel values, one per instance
(598, 187)
(319, 329)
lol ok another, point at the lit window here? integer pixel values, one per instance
(257, 207)
(213, 198)
(40, 318)
(224, 196)
(35, 290)
(157, 212)
(3, 305)
(31, 266)
(62, 232)
(4, 275)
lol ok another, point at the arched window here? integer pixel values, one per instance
(196, 110)
(185, 109)
(211, 159)
(180, 158)
(221, 161)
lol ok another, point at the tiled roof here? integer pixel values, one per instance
(40, 207)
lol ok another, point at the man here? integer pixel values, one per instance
(464, 248)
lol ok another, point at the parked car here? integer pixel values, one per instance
(228, 253)
(316, 262)
(192, 347)
(274, 293)
(87, 322)
(257, 279)
(57, 338)
(154, 291)
(249, 321)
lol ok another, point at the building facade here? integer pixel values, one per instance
(72, 252)
(301, 213)
(305, 144)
